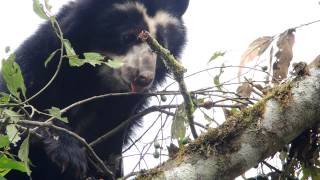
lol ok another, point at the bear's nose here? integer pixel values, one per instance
(144, 79)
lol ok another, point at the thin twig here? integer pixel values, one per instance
(123, 125)
(139, 138)
(306, 24)
(201, 125)
(74, 135)
(60, 36)
(271, 167)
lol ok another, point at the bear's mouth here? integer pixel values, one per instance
(137, 88)
(142, 82)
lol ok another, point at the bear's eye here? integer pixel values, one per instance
(129, 38)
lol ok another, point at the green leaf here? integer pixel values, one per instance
(47, 5)
(216, 79)
(178, 127)
(50, 58)
(92, 56)
(24, 153)
(13, 116)
(7, 163)
(69, 49)
(4, 141)
(3, 172)
(216, 55)
(4, 98)
(12, 75)
(13, 133)
(56, 113)
(115, 64)
(74, 61)
(39, 10)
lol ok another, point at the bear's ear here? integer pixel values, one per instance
(174, 7)
(177, 7)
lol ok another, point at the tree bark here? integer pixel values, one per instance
(244, 146)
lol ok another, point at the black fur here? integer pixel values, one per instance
(91, 26)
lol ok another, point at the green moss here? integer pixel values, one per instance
(148, 175)
(223, 140)
(218, 140)
(282, 94)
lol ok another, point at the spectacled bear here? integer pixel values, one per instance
(109, 27)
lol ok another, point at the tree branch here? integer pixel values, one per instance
(178, 72)
(248, 138)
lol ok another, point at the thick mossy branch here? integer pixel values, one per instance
(236, 124)
(178, 72)
(249, 137)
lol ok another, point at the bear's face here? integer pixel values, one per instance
(122, 22)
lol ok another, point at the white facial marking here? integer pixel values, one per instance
(161, 18)
(139, 57)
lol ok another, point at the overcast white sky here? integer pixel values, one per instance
(212, 25)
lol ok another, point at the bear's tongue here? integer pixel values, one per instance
(136, 88)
